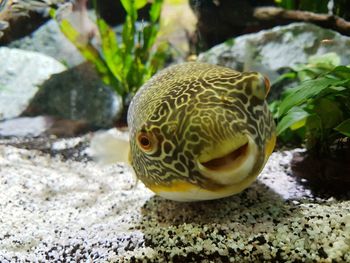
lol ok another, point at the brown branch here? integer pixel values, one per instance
(278, 16)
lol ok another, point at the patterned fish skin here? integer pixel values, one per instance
(191, 109)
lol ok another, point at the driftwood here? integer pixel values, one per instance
(278, 16)
(227, 18)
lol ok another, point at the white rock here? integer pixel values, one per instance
(270, 50)
(20, 76)
(49, 40)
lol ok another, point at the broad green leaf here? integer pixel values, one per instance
(329, 60)
(329, 112)
(131, 6)
(139, 3)
(155, 10)
(314, 132)
(345, 69)
(127, 64)
(273, 106)
(110, 49)
(313, 123)
(127, 71)
(89, 52)
(288, 75)
(337, 88)
(294, 116)
(128, 36)
(344, 128)
(309, 73)
(149, 37)
(342, 72)
(298, 124)
(305, 91)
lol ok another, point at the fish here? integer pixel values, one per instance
(198, 132)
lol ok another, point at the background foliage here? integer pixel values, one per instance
(126, 63)
(341, 7)
(317, 111)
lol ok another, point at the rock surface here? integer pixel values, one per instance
(272, 50)
(25, 127)
(28, 127)
(49, 40)
(77, 94)
(20, 76)
(57, 209)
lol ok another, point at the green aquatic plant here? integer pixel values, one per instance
(317, 111)
(124, 63)
(337, 7)
(319, 6)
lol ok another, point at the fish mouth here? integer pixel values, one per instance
(228, 161)
(231, 163)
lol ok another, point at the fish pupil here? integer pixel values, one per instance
(145, 142)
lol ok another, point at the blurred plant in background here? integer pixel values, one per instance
(124, 62)
(127, 63)
(317, 111)
(337, 7)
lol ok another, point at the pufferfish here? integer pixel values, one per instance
(199, 131)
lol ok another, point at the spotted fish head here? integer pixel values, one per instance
(199, 131)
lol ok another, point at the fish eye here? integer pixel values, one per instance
(146, 142)
(262, 87)
(267, 85)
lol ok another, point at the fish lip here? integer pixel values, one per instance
(232, 167)
(228, 160)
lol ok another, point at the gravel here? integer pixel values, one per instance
(58, 209)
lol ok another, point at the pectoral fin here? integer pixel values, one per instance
(110, 146)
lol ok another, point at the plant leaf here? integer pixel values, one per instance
(329, 112)
(305, 91)
(342, 72)
(337, 88)
(110, 49)
(149, 37)
(128, 36)
(344, 128)
(328, 61)
(294, 116)
(284, 76)
(131, 6)
(155, 10)
(89, 52)
(139, 3)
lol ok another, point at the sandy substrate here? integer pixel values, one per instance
(58, 210)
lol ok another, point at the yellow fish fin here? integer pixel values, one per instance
(270, 145)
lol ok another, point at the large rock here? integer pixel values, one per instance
(49, 40)
(20, 76)
(77, 94)
(272, 50)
